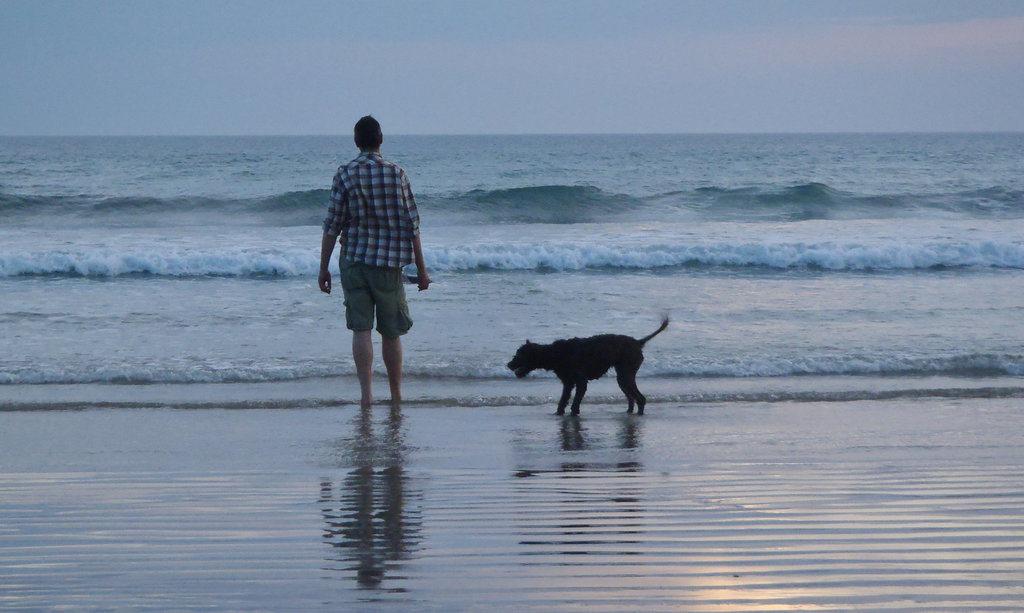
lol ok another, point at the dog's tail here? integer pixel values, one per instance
(664, 324)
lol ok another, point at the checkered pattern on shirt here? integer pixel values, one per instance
(374, 211)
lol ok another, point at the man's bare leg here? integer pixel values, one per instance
(362, 354)
(391, 350)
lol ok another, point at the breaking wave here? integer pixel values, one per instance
(289, 262)
(782, 256)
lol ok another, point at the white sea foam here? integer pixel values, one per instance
(830, 256)
(114, 262)
(173, 263)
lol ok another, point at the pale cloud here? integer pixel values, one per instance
(995, 40)
(858, 75)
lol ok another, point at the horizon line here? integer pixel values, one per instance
(494, 134)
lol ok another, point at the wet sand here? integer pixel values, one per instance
(897, 505)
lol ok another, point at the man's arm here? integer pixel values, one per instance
(326, 249)
(423, 281)
(337, 210)
(414, 224)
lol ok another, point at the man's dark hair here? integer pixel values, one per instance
(368, 134)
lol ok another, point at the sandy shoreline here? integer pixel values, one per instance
(911, 504)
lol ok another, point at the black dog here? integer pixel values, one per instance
(578, 360)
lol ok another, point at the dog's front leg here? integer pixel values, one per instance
(567, 385)
(581, 389)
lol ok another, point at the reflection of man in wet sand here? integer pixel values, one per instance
(374, 213)
(371, 523)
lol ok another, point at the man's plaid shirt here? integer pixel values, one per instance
(374, 211)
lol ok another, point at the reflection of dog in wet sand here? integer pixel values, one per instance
(578, 360)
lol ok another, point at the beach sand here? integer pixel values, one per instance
(901, 504)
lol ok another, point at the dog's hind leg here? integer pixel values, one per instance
(641, 400)
(624, 379)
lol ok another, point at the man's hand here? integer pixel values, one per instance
(326, 249)
(325, 281)
(421, 267)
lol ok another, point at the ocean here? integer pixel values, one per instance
(841, 266)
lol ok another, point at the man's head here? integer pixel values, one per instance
(368, 134)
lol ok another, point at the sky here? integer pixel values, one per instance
(240, 67)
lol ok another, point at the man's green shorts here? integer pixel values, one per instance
(370, 289)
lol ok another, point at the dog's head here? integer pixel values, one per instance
(525, 359)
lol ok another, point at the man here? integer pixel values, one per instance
(373, 215)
